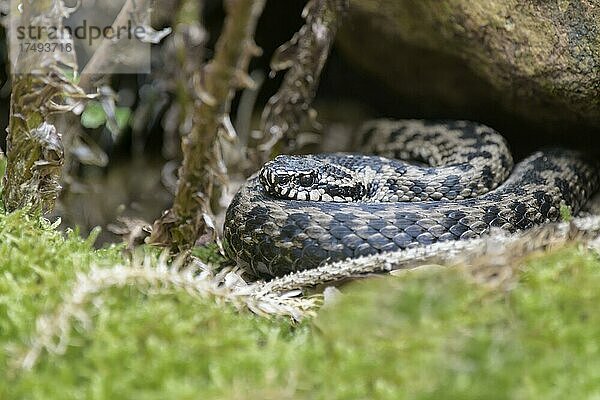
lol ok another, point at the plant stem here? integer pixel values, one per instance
(189, 221)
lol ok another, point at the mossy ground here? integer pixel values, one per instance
(431, 334)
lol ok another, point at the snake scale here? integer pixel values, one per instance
(429, 182)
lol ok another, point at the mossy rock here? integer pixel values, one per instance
(538, 61)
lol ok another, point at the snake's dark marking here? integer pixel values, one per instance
(301, 212)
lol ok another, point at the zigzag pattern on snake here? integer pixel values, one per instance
(303, 211)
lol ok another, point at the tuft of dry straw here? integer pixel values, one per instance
(53, 331)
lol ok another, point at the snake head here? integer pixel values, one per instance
(310, 178)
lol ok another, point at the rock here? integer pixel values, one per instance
(532, 60)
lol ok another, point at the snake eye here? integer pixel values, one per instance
(283, 179)
(307, 180)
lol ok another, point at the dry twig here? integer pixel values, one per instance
(305, 56)
(189, 221)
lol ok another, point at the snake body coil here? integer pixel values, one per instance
(301, 212)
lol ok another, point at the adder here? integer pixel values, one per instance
(428, 182)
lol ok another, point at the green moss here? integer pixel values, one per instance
(439, 335)
(208, 254)
(565, 213)
(141, 345)
(432, 334)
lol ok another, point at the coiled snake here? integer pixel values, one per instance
(303, 211)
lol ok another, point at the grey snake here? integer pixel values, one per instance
(429, 182)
